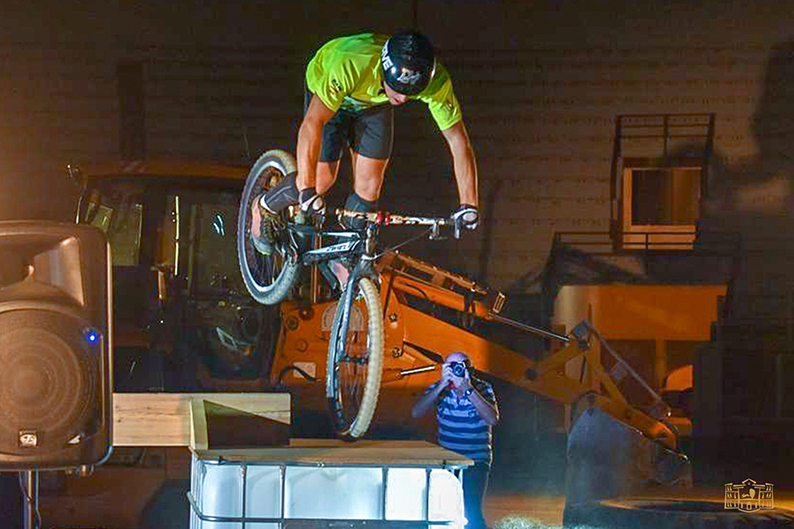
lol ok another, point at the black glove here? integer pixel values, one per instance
(465, 217)
(310, 202)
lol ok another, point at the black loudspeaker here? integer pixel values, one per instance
(55, 346)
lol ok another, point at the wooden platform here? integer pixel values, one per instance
(164, 419)
(331, 452)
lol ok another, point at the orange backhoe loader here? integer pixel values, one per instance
(578, 370)
(179, 296)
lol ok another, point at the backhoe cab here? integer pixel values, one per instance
(183, 317)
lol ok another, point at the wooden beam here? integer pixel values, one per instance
(163, 419)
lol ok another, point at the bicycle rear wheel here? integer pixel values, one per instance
(268, 278)
(353, 378)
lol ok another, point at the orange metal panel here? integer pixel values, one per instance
(641, 312)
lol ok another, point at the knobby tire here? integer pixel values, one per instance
(269, 279)
(353, 423)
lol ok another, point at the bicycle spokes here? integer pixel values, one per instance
(356, 359)
(268, 267)
(352, 364)
(268, 278)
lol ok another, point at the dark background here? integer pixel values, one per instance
(540, 84)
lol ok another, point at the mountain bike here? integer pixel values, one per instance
(345, 257)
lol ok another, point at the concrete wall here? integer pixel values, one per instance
(540, 83)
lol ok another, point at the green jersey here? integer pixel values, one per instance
(346, 73)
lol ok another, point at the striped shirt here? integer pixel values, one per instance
(460, 427)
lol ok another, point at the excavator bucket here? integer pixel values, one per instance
(606, 458)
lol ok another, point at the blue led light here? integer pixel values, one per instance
(91, 335)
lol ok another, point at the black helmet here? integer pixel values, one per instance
(408, 62)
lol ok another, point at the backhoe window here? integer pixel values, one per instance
(102, 218)
(213, 261)
(122, 226)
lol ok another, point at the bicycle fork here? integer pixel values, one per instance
(362, 269)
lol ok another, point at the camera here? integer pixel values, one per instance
(458, 368)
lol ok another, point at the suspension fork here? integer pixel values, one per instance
(314, 277)
(362, 269)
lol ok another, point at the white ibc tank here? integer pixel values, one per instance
(225, 493)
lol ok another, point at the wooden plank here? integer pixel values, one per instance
(337, 452)
(163, 419)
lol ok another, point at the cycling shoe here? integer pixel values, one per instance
(269, 224)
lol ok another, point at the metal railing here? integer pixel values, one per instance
(285, 521)
(630, 242)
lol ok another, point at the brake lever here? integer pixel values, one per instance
(435, 232)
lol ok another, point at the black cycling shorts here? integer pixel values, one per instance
(369, 132)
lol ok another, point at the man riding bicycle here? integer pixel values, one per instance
(353, 83)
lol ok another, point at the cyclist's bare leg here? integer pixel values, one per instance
(326, 176)
(367, 182)
(256, 222)
(368, 176)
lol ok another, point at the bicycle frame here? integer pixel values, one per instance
(359, 244)
(355, 244)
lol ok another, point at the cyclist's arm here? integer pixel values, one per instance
(464, 163)
(310, 137)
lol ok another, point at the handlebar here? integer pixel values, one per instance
(384, 218)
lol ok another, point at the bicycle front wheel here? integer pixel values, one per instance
(268, 278)
(355, 362)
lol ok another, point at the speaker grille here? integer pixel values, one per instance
(48, 379)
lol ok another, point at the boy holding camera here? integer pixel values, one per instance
(466, 409)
